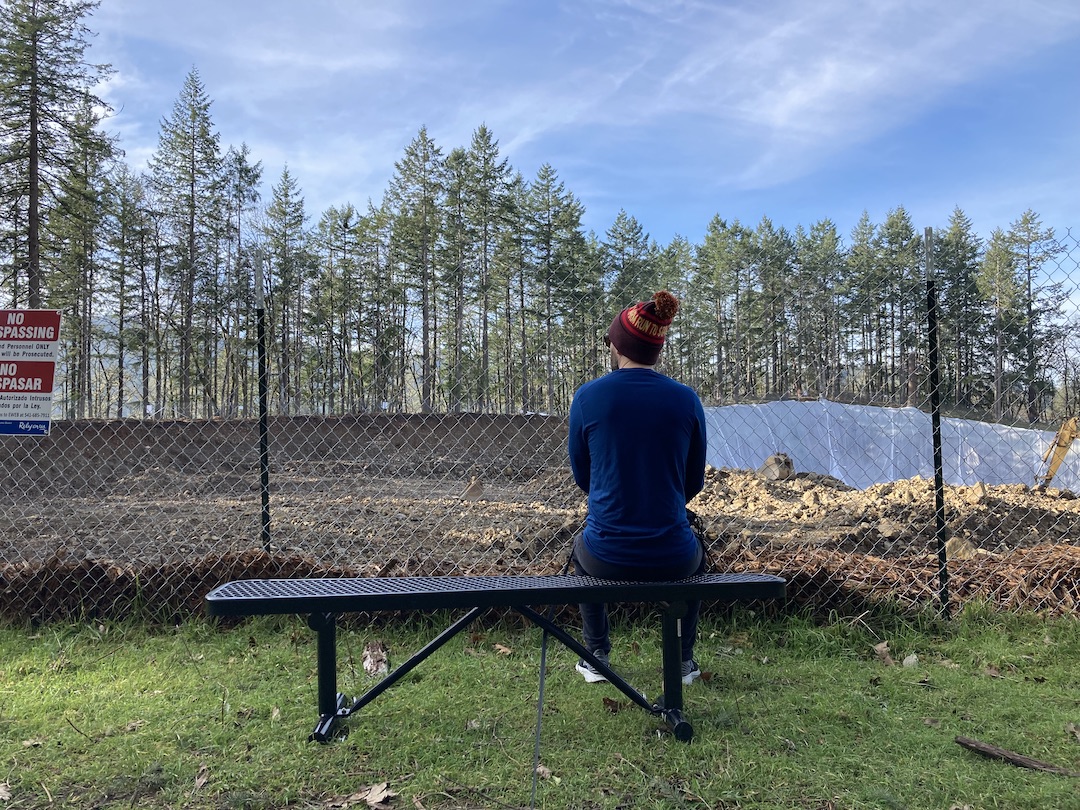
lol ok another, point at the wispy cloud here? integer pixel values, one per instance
(739, 95)
(809, 79)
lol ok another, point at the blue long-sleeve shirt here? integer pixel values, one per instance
(637, 448)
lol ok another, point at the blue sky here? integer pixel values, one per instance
(673, 110)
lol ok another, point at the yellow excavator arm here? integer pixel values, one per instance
(1055, 453)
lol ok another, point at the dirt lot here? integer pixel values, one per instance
(101, 516)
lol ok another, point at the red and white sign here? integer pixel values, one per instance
(29, 339)
(33, 375)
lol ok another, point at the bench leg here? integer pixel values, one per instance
(672, 699)
(330, 702)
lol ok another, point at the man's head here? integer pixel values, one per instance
(637, 333)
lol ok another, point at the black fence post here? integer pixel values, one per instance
(941, 528)
(264, 439)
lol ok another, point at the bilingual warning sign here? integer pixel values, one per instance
(29, 339)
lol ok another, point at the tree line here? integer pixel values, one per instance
(467, 287)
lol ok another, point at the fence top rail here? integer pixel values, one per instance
(252, 597)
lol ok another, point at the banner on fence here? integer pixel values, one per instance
(29, 339)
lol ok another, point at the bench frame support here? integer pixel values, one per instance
(335, 707)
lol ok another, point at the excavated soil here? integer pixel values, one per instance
(107, 517)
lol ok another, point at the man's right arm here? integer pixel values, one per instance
(578, 447)
(695, 461)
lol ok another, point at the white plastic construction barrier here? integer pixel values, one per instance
(863, 445)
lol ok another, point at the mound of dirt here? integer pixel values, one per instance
(896, 519)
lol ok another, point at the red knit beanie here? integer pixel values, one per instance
(638, 331)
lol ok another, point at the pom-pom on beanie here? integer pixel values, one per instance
(638, 331)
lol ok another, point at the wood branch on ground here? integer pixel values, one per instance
(1013, 758)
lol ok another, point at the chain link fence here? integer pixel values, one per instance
(885, 460)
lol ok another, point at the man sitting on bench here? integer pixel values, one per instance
(637, 448)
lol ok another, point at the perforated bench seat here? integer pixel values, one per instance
(248, 597)
(324, 599)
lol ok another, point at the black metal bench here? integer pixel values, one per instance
(323, 599)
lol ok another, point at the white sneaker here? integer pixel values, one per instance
(690, 671)
(590, 673)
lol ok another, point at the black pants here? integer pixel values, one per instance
(595, 629)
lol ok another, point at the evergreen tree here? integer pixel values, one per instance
(1034, 246)
(458, 281)
(489, 179)
(1002, 290)
(156, 313)
(513, 262)
(290, 272)
(415, 197)
(628, 273)
(675, 264)
(577, 299)
(816, 309)
(722, 263)
(186, 172)
(127, 241)
(328, 244)
(338, 299)
(898, 257)
(963, 321)
(1067, 400)
(866, 296)
(45, 98)
(13, 263)
(556, 245)
(75, 233)
(775, 261)
(240, 196)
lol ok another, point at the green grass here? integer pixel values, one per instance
(794, 714)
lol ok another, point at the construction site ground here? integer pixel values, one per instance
(122, 517)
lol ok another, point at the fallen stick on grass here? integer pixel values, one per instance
(994, 752)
